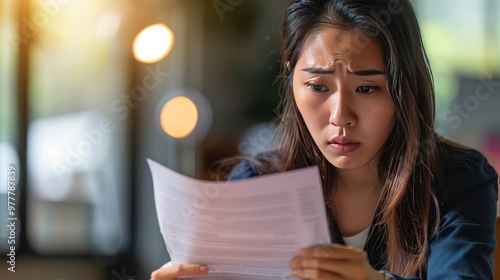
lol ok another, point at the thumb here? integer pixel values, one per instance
(176, 270)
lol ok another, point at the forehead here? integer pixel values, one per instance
(329, 46)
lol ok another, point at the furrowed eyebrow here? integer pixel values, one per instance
(322, 71)
(369, 72)
(317, 70)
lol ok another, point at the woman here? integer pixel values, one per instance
(359, 103)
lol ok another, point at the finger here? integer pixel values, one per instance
(340, 268)
(314, 274)
(332, 251)
(175, 270)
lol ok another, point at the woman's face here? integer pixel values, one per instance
(339, 85)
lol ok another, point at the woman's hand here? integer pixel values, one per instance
(176, 270)
(333, 261)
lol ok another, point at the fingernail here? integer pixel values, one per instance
(203, 268)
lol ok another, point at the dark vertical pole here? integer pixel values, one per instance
(133, 166)
(126, 259)
(24, 12)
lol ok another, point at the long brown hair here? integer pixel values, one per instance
(408, 204)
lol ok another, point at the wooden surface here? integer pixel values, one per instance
(31, 268)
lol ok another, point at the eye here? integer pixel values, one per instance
(366, 89)
(317, 88)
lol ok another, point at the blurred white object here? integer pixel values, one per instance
(59, 149)
(76, 198)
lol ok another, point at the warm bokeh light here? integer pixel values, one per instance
(179, 117)
(153, 43)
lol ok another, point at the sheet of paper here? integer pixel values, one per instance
(245, 229)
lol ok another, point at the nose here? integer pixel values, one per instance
(341, 110)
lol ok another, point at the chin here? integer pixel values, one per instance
(345, 163)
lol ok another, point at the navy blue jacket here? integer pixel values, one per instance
(465, 243)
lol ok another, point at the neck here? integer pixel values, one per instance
(355, 199)
(358, 181)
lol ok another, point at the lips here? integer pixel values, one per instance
(343, 145)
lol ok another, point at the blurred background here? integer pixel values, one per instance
(88, 92)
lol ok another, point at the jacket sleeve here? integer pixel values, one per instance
(395, 277)
(466, 241)
(244, 169)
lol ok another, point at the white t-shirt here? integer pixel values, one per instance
(358, 240)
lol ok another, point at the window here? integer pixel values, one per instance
(77, 194)
(8, 121)
(463, 44)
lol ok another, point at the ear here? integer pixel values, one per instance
(288, 66)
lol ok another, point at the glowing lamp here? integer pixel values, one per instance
(153, 43)
(178, 117)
